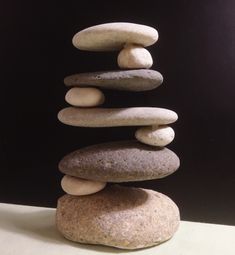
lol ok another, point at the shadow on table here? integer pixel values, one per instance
(40, 225)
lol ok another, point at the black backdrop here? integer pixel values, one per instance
(195, 54)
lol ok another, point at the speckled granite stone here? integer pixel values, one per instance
(120, 162)
(123, 217)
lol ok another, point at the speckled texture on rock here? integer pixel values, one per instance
(120, 162)
(114, 117)
(123, 217)
(132, 80)
(113, 36)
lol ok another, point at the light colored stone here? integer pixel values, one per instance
(84, 97)
(134, 56)
(121, 161)
(113, 36)
(79, 187)
(131, 80)
(123, 217)
(114, 117)
(155, 135)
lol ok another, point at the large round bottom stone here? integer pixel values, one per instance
(122, 217)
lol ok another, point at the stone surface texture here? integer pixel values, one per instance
(80, 187)
(130, 80)
(114, 117)
(155, 135)
(113, 36)
(134, 56)
(120, 162)
(84, 97)
(123, 217)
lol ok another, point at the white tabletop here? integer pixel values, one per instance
(27, 230)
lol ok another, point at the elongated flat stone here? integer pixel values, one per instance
(113, 36)
(114, 117)
(120, 162)
(123, 217)
(132, 80)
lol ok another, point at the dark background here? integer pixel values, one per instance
(195, 54)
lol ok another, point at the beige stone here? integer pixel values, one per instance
(155, 135)
(113, 36)
(114, 117)
(79, 187)
(123, 217)
(134, 56)
(84, 97)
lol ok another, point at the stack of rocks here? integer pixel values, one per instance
(113, 215)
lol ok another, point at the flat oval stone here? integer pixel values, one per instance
(123, 217)
(120, 162)
(155, 135)
(114, 117)
(80, 187)
(113, 36)
(131, 80)
(134, 56)
(84, 97)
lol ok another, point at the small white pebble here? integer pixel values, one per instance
(155, 135)
(134, 56)
(84, 97)
(79, 187)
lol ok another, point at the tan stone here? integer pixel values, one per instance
(155, 135)
(123, 217)
(84, 97)
(79, 187)
(114, 117)
(134, 56)
(113, 36)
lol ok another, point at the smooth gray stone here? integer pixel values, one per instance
(120, 162)
(132, 80)
(114, 117)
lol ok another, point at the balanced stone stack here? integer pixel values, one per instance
(114, 215)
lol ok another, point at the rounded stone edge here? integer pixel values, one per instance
(174, 208)
(71, 93)
(134, 57)
(80, 187)
(152, 39)
(155, 135)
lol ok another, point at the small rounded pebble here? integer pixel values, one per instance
(155, 135)
(79, 187)
(134, 56)
(84, 97)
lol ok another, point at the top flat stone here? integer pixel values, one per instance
(113, 36)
